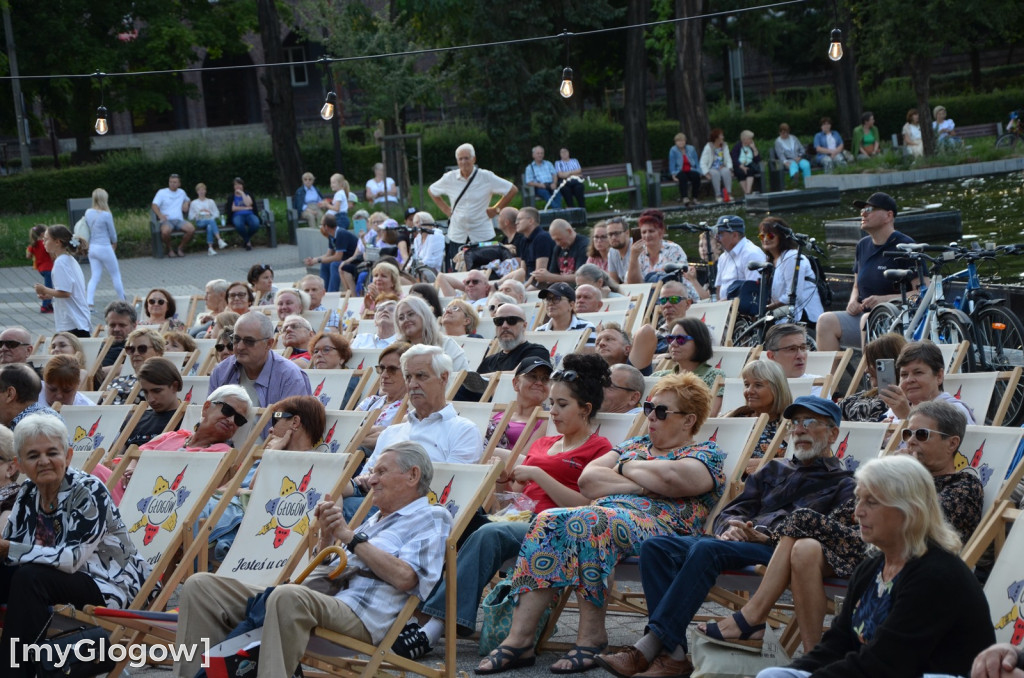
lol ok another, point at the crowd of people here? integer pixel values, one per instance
(893, 528)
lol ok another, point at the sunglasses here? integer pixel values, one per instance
(11, 343)
(661, 412)
(238, 295)
(141, 350)
(565, 375)
(249, 341)
(280, 415)
(680, 339)
(220, 348)
(674, 299)
(510, 319)
(921, 434)
(766, 236)
(264, 267)
(229, 411)
(156, 302)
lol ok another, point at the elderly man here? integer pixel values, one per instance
(170, 205)
(614, 345)
(384, 322)
(510, 330)
(474, 288)
(469, 188)
(313, 285)
(265, 376)
(15, 345)
(569, 254)
(295, 334)
(121, 320)
(397, 552)
(787, 345)
(537, 245)
(19, 394)
(588, 299)
(216, 300)
(514, 289)
(678, 571)
(738, 252)
(541, 175)
(626, 390)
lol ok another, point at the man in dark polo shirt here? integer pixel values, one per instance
(570, 252)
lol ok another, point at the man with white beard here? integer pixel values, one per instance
(678, 571)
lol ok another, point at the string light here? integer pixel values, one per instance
(102, 127)
(327, 112)
(565, 89)
(835, 50)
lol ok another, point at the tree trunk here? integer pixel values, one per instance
(975, 69)
(283, 128)
(920, 80)
(848, 100)
(671, 103)
(690, 100)
(635, 109)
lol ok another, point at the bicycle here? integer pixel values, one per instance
(1014, 131)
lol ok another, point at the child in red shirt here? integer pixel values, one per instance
(41, 260)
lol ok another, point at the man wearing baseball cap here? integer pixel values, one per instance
(739, 251)
(560, 304)
(870, 287)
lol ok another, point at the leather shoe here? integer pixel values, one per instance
(625, 664)
(664, 666)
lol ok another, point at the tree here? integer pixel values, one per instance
(691, 101)
(635, 122)
(283, 127)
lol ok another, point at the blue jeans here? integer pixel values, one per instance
(544, 194)
(211, 229)
(782, 672)
(331, 273)
(246, 225)
(48, 281)
(677, 573)
(479, 559)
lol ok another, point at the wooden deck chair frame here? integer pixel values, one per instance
(381, 657)
(131, 414)
(92, 370)
(498, 380)
(115, 371)
(475, 412)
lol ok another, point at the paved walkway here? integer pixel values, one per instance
(20, 306)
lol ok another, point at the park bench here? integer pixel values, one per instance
(594, 187)
(987, 129)
(655, 170)
(265, 214)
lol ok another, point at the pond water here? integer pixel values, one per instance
(992, 209)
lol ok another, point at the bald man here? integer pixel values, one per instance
(588, 299)
(15, 345)
(569, 254)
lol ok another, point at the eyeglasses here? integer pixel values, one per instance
(921, 434)
(390, 369)
(249, 341)
(622, 388)
(280, 415)
(680, 339)
(512, 320)
(156, 302)
(565, 375)
(474, 281)
(612, 234)
(867, 209)
(238, 295)
(674, 299)
(220, 348)
(795, 348)
(229, 411)
(11, 343)
(808, 423)
(323, 349)
(661, 412)
(599, 237)
(143, 349)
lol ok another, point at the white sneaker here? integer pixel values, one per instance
(718, 199)
(221, 243)
(211, 251)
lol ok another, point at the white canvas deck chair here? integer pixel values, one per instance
(346, 429)
(719, 316)
(330, 386)
(1005, 588)
(499, 388)
(977, 389)
(559, 344)
(96, 431)
(860, 442)
(731, 359)
(622, 317)
(462, 488)
(195, 389)
(475, 349)
(364, 358)
(480, 414)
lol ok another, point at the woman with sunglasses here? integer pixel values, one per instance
(159, 309)
(225, 345)
(298, 423)
(549, 476)
(921, 369)
(689, 347)
(417, 325)
(765, 391)
(777, 243)
(390, 392)
(660, 483)
(141, 344)
(261, 279)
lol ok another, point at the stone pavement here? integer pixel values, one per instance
(20, 306)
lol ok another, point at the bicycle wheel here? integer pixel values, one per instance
(883, 319)
(744, 333)
(1000, 343)
(1008, 140)
(954, 327)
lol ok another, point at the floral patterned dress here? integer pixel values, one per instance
(765, 441)
(579, 547)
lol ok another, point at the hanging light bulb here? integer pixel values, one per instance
(835, 50)
(566, 87)
(101, 121)
(327, 112)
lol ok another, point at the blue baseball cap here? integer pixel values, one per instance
(730, 222)
(816, 405)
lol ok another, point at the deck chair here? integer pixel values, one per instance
(96, 430)
(462, 488)
(731, 359)
(1005, 588)
(364, 358)
(485, 327)
(330, 386)
(620, 316)
(475, 349)
(345, 430)
(615, 427)
(480, 414)
(976, 389)
(499, 388)
(559, 344)
(859, 442)
(195, 389)
(829, 362)
(719, 316)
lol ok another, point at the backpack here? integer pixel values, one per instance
(824, 291)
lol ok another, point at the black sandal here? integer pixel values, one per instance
(579, 654)
(505, 658)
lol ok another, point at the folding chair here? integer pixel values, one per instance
(598, 318)
(731, 360)
(860, 441)
(499, 388)
(475, 349)
(719, 316)
(1005, 588)
(364, 358)
(977, 388)
(331, 386)
(99, 431)
(559, 344)
(346, 429)
(481, 414)
(195, 389)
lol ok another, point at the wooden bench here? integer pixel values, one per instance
(655, 183)
(265, 214)
(594, 174)
(988, 129)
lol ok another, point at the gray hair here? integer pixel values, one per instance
(950, 420)
(218, 286)
(122, 308)
(771, 373)
(312, 278)
(519, 287)
(634, 377)
(8, 450)
(500, 298)
(594, 273)
(231, 391)
(465, 147)
(266, 325)
(773, 338)
(440, 363)
(46, 425)
(302, 321)
(431, 331)
(409, 455)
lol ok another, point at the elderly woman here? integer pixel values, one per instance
(912, 134)
(390, 392)
(866, 137)
(549, 476)
(416, 325)
(658, 484)
(746, 161)
(684, 168)
(384, 324)
(290, 301)
(716, 164)
(893, 623)
(296, 333)
(61, 378)
(159, 383)
(944, 128)
(240, 297)
(9, 474)
(385, 280)
(160, 309)
(813, 546)
(496, 300)
(329, 351)
(649, 255)
(514, 289)
(765, 391)
(225, 345)
(299, 423)
(866, 405)
(224, 412)
(460, 319)
(179, 342)
(791, 153)
(921, 368)
(592, 274)
(65, 542)
(778, 243)
(690, 348)
(261, 279)
(140, 345)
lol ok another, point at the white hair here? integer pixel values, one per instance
(231, 391)
(46, 425)
(440, 363)
(465, 147)
(266, 325)
(302, 321)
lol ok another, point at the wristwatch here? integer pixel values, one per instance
(357, 539)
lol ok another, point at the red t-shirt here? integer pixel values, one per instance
(42, 259)
(565, 467)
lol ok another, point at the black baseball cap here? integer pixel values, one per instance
(559, 289)
(882, 201)
(730, 222)
(409, 211)
(531, 363)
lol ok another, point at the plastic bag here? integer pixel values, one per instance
(513, 506)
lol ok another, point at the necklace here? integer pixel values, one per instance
(567, 445)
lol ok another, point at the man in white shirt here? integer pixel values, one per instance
(739, 251)
(474, 288)
(469, 216)
(170, 205)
